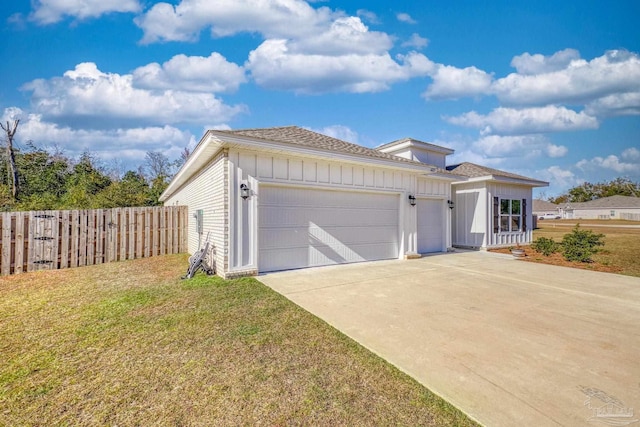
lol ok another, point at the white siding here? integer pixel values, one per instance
(259, 168)
(206, 191)
(469, 224)
(603, 213)
(473, 214)
(433, 187)
(275, 169)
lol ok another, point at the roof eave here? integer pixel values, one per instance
(201, 155)
(409, 142)
(509, 180)
(266, 145)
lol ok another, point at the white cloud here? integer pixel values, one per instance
(558, 178)
(368, 16)
(528, 120)
(405, 17)
(416, 41)
(580, 82)
(539, 64)
(11, 114)
(191, 73)
(52, 11)
(274, 66)
(346, 35)
(95, 97)
(272, 18)
(611, 162)
(522, 146)
(451, 83)
(124, 144)
(553, 150)
(622, 104)
(469, 155)
(631, 155)
(340, 132)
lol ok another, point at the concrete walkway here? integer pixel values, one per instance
(511, 343)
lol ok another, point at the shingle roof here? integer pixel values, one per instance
(422, 143)
(475, 171)
(543, 205)
(307, 138)
(608, 202)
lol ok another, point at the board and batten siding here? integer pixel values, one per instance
(206, 191)
(509, 191)
(474, 211)
(469, 224)
(256, 168)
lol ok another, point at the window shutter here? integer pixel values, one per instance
(524, 214)
(496, 215)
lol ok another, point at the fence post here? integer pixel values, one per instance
(5, 261)
(64, 239)
(18, 264)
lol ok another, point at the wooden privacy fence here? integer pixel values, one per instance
(49, 240)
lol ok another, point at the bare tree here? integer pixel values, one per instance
(157, 165)
(10, 130)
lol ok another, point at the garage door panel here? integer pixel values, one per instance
(308, 227)
(278, 217)
(301, 237)
(430, 226)
(296, 197)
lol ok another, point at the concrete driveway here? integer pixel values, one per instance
(509, 342)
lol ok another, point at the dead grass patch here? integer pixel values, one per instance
(131, 344)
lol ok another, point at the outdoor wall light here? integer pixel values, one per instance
(451, 204)
(412, 200)
(245, 192)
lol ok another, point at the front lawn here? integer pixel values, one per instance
(131, 344)
(618, 255)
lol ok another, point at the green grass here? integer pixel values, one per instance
(131, 344)
(621, 249)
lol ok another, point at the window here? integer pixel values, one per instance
(510, 215)
(613, 213)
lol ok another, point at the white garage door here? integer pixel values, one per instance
(307, 227)
(430, 226)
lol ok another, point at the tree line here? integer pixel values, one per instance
(35, 178)
(589, 191)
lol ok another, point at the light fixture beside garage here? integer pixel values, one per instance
(450, 203)
(245, 191)
(412, 200)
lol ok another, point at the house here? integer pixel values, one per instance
(542, 207)
(613, 207)
(283, 198)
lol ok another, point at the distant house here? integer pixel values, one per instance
(614, 207)
(283, 198)
(542, 207)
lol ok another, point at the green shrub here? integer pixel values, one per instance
(545, 246)
(580, 245)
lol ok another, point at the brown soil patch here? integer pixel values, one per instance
(558, 259)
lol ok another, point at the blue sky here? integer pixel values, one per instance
(547, 89)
